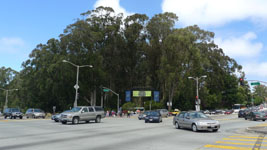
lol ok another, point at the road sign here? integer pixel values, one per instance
(76, 86)
(106, 90)
(169, 103)
(255, 83)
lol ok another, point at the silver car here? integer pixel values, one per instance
(195, 121)
(83, 113)
(35, 113)
(163, 112)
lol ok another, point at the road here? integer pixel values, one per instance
(126, 134)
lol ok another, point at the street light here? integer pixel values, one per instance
(5, 106)
(197, 97)
(105, 89)
(77, 78)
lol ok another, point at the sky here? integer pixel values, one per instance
(240, 26)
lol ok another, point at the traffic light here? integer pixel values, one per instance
(241, 81)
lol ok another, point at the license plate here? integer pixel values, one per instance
(150, 119)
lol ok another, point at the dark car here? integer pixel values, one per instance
(12, 113)
(143, 115)
(153, 116)
(256, 116)
(241, 114)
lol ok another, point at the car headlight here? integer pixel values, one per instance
(201, 123)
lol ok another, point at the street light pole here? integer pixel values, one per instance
(6, 102)
(77, 79)
(197, 97)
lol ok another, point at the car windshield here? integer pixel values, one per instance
(154, 113)
(15, 110)
(197, 115)
(37, 110)
(76, 109)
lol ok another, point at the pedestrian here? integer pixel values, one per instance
(128, 113)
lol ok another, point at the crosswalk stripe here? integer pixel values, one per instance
(222, 142)
(230, 147)
(248, 137)
(242, 140)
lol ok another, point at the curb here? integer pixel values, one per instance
(262, 130)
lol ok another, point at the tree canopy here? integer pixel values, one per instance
(137, 51)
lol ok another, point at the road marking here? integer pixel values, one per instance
(242, 140)
(249, 137)
(222, 142)
(231, 147)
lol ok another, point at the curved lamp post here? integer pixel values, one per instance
(77, 79)
(197, 97)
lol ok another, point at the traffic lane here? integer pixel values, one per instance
(111, 134)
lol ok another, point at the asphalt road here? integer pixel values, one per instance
(126, 134)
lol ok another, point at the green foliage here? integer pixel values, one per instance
(128, 106)
(126, 53)
(154, 105)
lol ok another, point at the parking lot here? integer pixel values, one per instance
(113, 133)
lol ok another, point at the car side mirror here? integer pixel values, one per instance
(82, 111)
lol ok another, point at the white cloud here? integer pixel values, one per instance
(11, 44)
(240, 47)
(216, 12)
(256, 69)
(115, 4)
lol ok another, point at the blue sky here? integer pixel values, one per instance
(240, 26)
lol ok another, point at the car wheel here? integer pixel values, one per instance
(177, 126)
(64, 122)
(27, 117)
(194, 128)
(246, 118)
(146, 121)
(33, 117)
(75, 120)
(263, 120)
(98, 119)
(87, 121)
(20, 117)
(14, 117)
(254, 119)
(215, 130)
(5, 117)
(56, 120)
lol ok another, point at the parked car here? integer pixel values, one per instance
(195, 121)
(153, 116)
(228, 112)
(175, 112)
(163, 112)
(35, 113)
(256, 115)
(83, 113)
(13, 113)
(143, 115)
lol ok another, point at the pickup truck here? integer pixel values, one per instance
(83, 113)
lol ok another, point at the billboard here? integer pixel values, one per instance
(156, 96)
(127, 96)
(141, 93)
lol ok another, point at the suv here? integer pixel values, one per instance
(12, 113)
(83, 113)
(35, 113)
(163, 112)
